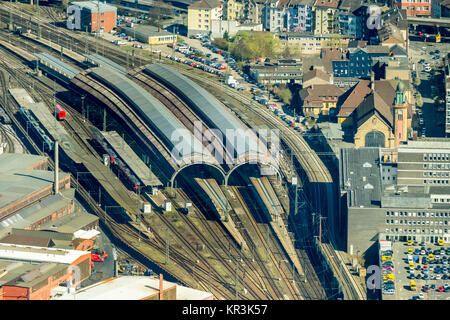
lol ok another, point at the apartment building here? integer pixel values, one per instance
(415, 8)
(326, 18)
(233, 10)
(308, 43)
(200, 16)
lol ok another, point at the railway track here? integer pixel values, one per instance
(113, 53)
(182, 260)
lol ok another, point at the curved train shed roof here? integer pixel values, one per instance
(210, 110)
(56, 64)
(174, 135)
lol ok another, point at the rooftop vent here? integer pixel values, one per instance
(368, 186)
(367, 165)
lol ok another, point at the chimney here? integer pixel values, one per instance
(372, 80)
(56, 186)
(160, 286)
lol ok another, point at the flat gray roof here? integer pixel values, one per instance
(174, 135)
(18, 161)
(361, 176)
(61, 67)
(146, 30)
(131, 159)
(21, 183)
(25, 217)
(207, 107)
(105, 62)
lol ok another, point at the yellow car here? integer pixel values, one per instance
(385, 258)
(413, 285)
(410, 243)
(440, 242)
(431, 257)
(410, 251)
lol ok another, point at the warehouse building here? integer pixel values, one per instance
(135, 288)
(32, 272)
(20, 186)
(93, 15)
(381, 193)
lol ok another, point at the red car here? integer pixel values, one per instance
(420, 33)
(222, 68)
(98, 255)
(170, 45)
(440, 289)
(220, 51)
(193, 64)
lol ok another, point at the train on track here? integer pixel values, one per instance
(115, 160)
(32, 122)
(60, 113)
(4, 118)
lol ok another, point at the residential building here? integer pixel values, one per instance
(150, 34)
(320, 100)
(233, 10)
(359, 62)
(282, 71)
(95, 15)
(326, 18)
(349, 22)
(300, 16)
(419, 8)
(200, 16)
(374, 201)
(440, 9)
(219, 27)
(253, 11)
(392, 68)
(275, 16)
(315, 76)
(305, 43)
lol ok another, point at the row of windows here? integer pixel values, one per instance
(436, 165)
(436, 174)
(429, 181)
(426, 231)
(418, 214)
(435, 157)
(418, 222)
(441, 200)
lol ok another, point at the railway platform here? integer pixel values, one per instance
(131, 159)
(215, 193)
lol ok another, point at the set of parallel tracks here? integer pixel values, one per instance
(113, 54)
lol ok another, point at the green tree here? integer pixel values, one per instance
(285, 95)
(226, 36)
(419, 101)
(417, 81)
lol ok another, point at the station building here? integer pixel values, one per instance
(402, 192)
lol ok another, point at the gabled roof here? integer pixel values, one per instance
(327, 3)
(205, 4)
(316, 73)
(377, 49)
(357, 95)
(373, 103)
(316, 92)
(398, 51)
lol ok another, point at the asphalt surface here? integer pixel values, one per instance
(433, 120)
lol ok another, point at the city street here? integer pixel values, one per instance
(433, 120)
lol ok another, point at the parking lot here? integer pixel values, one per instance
(414, 263)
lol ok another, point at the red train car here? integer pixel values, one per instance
(60, 113)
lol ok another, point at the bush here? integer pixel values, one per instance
(285, 95)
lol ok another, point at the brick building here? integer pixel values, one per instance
(96, 14)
